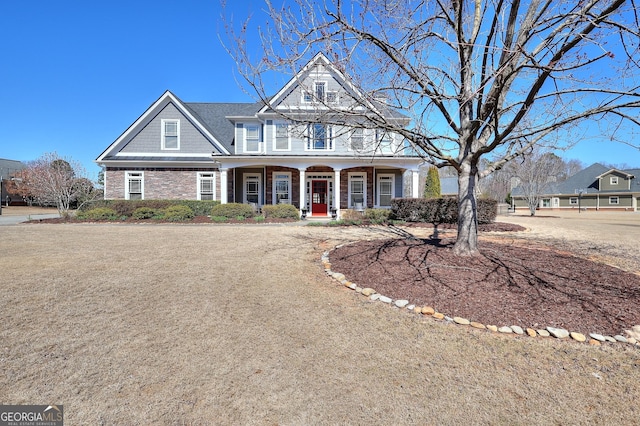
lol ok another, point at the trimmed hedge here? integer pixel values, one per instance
(281, 211)
(144, 213)
(178, 213)
(127, 207)
(100, 213)
(439, 210)
(232, 211)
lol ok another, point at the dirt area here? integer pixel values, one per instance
(26, 211)
(232, 324)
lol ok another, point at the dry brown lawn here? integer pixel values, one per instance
(238, 324)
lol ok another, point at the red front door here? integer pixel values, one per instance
(318, 197)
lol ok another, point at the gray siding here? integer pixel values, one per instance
(605, 182)
(149, 139)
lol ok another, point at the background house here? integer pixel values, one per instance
(8, 168)
(258, 154)
(596, 187)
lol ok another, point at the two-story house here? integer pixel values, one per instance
(263, 154)
(595, 188)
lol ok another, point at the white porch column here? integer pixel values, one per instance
(303, 187)
(415, 183)
(336, 192)
(223, 186)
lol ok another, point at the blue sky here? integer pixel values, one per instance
(76, 74)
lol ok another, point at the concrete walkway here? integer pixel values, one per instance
(13, 215)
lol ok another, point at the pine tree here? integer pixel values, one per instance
(432, 184)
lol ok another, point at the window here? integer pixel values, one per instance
(134, 185)
(252, 138)
(614, 201)
(357, 190)
(573, 201)
(385, 189)
(332, 97)
(307, 97)
(385, 142)
(282, 137)
(206, 186)
(281, 188)
(613, 180)
(252, 189)
(357, 140)
(319, 137)
(171, 134)
(320, 90)
(319, 94)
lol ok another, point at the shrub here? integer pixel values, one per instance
(350, 215)
(127, 207)
(144, 213)
(178, 213)
(100, 213)
(377, 215)
(439, 210)
(232, 210)
(218, 218)
(281, 211)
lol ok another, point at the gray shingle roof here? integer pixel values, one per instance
(9, 167)
(213, 117)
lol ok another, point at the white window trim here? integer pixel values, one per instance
(172, 120)
(201, 177)
(613, 180)
(612, 203)
(378, 181)
(392, 144)
(573, 201)
(350, 146)
(127, 176)
(273, 186)
(356, 176)
(245, 178)
(275, 136)
(244, 138)
(308, 142)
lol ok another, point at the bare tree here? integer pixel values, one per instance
(476, 77)
(55, 181)
(536, 173)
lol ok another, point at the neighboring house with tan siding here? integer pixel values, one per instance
(249, 153)
(595, 188)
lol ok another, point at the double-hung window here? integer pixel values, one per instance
(282, 137)
(252, 137)
(357, 140)
(319, 137)
(171, 134)
(134, 185)
(613, 180)
(614, 201)
(385, 142)
(281, 188)
(385, 189)
(357, 190)
(206, 186)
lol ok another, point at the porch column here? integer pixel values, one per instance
(415, 183)
(223, 186)
(336, 192)
(303, 187)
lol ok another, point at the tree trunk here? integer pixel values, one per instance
(467, 241)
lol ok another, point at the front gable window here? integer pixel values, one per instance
(171, 134)
(319, 94)
(319, 137)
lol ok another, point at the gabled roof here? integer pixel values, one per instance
(622, 172)
(9, 167)
(166, 98)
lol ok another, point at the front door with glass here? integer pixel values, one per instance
(319, 197)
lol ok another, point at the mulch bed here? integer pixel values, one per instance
(507, 284)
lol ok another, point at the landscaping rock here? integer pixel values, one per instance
(531, 332)
(358, 289)
(559, 333)
(352, 286)
(620, 338)
(428, 310)
(438, 315)
(374, 296)
(368, 291)
(517, 329)
(544, 333)
(477, 325)
(594, 342)
(578, 336)
(338, 276)
(461, 321)
(598, 337)
(609, 339)
(401, 303)
(632, 340)
(411, 307)
(505, 329)
(492, 328)
(385, 299)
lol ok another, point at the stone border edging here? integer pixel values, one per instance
(595, 339)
